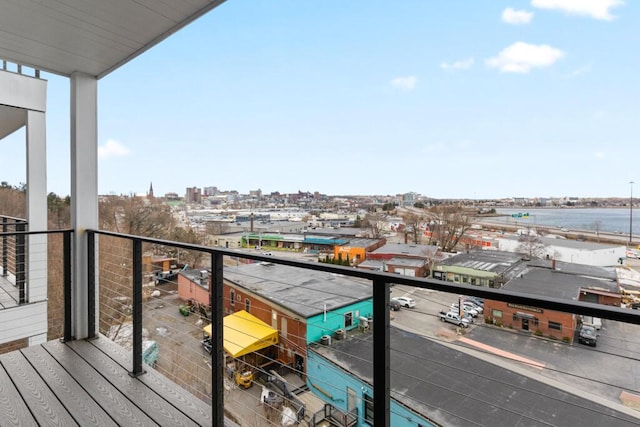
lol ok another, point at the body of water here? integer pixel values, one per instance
(611, 220)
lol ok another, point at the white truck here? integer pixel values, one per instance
(596, 322)
(454, 318)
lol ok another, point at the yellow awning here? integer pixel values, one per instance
(245, 333)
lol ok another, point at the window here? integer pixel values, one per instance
(247, 305)
(368, 408)
(555, 325)
(473, 281)
(464, 279)
(535, 321)
(232, 297)
(491, 283)
(497, 314)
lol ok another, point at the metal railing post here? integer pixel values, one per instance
(66, 253)
(217, 349)
(91, 284)
(5, 252)
(381, 354)
(21, 261)
(137, 308)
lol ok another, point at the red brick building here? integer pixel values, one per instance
(557, 280)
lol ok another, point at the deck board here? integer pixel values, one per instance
(13, 411)
(86, 412)
(42, 403)
(117, 405)
(192, 407)
(134, 389)
(87, 383)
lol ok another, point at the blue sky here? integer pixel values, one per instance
(469, 99)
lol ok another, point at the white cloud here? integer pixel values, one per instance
(458, 65)
(112, 149)
(515, 17)
(522, 57)
(405, 83)
(597, 9)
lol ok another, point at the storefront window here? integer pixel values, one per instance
(497, 314)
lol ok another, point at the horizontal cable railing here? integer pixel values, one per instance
(148, 306)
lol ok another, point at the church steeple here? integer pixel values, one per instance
(150, 193)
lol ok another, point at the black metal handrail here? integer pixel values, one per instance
(380, 281)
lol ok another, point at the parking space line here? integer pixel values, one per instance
(501, 353)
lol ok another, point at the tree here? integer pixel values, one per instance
(531, 245)
(449, 223)
(373, 224)
(412, 221)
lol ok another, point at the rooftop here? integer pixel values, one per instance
(460, 388)
(307, 293)
(490, 261)
(565, 281)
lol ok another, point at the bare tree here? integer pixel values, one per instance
(531, 246)
(373, 223)
(449, 225)
(412, 221)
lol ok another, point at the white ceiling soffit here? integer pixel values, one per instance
(89, 36)
(11, 119)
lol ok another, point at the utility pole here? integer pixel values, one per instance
(631, 214)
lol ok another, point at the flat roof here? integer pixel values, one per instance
(305, 292)
(484, 260)
(558, 283)
(407, 249)
(451, 387)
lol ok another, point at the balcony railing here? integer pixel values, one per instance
(127, 298)
(13, 262)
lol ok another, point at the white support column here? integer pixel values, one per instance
(37, 218)
(84, 189)
(36, 206)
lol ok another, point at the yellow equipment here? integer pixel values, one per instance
(244, 379)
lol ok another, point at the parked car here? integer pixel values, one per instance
(394, 305)
(467, 310)
(405, 301)
(588, 335)
(476, 300)
(473, 305)
(453, 318)
(465, 315)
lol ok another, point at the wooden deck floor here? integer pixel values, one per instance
(86, 383)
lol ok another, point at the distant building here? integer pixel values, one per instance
(193, 196)
(549, 278)
(479, 268)
(406, 259)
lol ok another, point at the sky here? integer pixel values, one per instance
(448, 99)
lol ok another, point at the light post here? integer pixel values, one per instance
(631, 214)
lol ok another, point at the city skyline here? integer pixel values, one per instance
(519, 99)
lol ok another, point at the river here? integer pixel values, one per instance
(615, 220)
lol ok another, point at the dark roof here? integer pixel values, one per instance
(565, 282)
(304, 292)
(453, 388)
